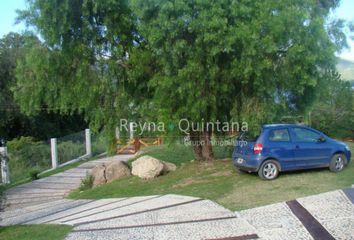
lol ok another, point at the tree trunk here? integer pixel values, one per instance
(202, 148)
(207, 149)
(196, 145)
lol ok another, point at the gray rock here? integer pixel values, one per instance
(168, 167)
(98, 172)
(116, 170)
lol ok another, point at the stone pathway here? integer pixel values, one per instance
(324, 216)
(51, 188)
(334, 211)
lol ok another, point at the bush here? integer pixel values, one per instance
(34, 173)
(70, 150)
(87, 182)
(25, 153)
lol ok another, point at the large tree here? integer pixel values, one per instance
(237, 60)
(200, 60)
(81, 65)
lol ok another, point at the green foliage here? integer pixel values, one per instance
(34, 173)
(81, 66)
(87, 182)
(70, 150)
(166, 60)
(19, 143)
(25, 153)
(334, 111)
(211, 55)
(14, 123)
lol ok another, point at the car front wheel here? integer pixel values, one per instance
(269, 170)
(337, 163)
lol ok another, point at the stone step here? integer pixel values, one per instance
(31, 216)
(124, 209)
(275, 221)
(20, 211)
(208, 229)
(77, 214)
(21, 201)
(334, 211)
(31, 196)
(98, 205)
(194, 211)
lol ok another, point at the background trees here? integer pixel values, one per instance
(13, 123)
(201, 60)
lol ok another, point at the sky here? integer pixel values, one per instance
(8, 15)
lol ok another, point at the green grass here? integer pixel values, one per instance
(38, 232)
(220, 182)
(179, 154)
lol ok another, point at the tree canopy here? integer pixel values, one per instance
(13, 123)
(201, 60)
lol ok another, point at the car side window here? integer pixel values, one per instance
(305, 135)
(279, 135)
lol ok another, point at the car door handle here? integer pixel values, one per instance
(297, 146)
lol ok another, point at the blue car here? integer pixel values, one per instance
(287, 147)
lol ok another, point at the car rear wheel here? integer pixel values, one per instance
(337, 163)
(269, 170)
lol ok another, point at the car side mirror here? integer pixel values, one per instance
(321, 140)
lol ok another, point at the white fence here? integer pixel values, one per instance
(63, 151)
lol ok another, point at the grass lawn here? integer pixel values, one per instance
(220, 182)
(38, 232)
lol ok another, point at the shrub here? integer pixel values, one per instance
(87, 182)
(34, 173)
(25, 153)
(70, 150)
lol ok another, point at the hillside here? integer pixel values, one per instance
(346, 69)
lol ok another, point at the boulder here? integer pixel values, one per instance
(168, 167)
(116, 170)
(147, 167)
(98, 172)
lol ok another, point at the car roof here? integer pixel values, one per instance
(278, 125)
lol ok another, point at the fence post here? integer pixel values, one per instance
(88, 142)
(131, 130)
(4, 166)
(54, 151)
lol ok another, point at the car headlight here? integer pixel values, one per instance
(347, 148)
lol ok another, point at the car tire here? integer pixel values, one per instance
(269, 170)
(337, 163)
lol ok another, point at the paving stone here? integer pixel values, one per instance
(199, 230)
(97, 205)
(24, 218)
(32, 208)
(334, 211)
(194, 211)
(127, 206)
(275, 221)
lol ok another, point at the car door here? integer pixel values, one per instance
(309, 151)
(280, 147)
